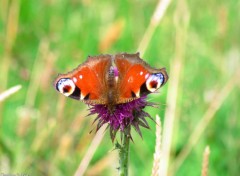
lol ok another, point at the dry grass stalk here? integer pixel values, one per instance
(43, 135)
(112, 35)
(4, 9)
(155, 20)
(85, 141)
(9, 92)
(181, 22)
(36, 73)
(67, 138)
(157, 154)
(12, 25)
(60, 109)
(64, 145)
(205, 161)
(91, 150)
(11, 33)
(49, 60)
(103, 164)
(205, 120)
(24, 121)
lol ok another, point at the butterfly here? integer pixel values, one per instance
(111, 79)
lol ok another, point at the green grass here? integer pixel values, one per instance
(44, 133)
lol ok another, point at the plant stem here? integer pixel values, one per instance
(124, 153)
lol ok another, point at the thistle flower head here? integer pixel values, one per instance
(125, 115)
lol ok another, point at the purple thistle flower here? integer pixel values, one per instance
(125, 115)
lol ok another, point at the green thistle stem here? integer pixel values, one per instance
(124, 153)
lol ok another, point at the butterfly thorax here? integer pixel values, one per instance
(112, 88)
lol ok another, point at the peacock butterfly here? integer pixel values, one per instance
(111, 79)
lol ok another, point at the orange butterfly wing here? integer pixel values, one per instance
(133, 73)
(90, 78)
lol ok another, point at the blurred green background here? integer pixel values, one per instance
(44, 133)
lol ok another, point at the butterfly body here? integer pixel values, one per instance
(111, 79)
